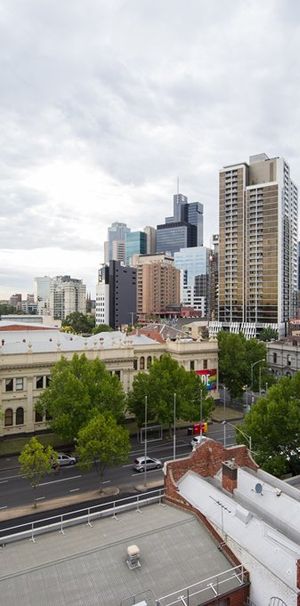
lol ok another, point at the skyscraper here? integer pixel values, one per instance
(115, 233)
(184, 229)
(136, 244)
(151, 239)
(193, 265)
(258, 244)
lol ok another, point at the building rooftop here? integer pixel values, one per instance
(26, 339)
(87, 566)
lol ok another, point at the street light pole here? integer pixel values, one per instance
(201, 413)
(241, 432)
(145, 453)
(252, 367)
(224, 414)
(174, 428)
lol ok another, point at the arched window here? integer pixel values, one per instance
(149, 361)
(38, 417)
(8, 417)
(142, 363)
(20, 416)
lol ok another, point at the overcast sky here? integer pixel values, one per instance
(104, 102)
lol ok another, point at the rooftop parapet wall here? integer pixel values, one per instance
(206, 460)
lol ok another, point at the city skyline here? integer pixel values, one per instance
(103, 105)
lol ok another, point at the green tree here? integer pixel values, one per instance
(6, 309)
(101, 328)
(236, 358)
(165, 378)
(267, 334)
(232, 362)
(79, 322)
(36, 461)
(78, 390)
(274, 426)
(102, 443)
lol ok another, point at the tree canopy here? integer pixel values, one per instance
(274, 426)
(78, 389)
(267, 334)
(101, 328)
(102, 443)
(79, 323)
(237, 356)
(36, 461)
(165, 378)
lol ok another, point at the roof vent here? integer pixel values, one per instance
(133, 557)
(258, 488)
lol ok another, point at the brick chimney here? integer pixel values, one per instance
(229, 475)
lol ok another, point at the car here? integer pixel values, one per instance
(64, 459)
(196, 440)
(139, 464)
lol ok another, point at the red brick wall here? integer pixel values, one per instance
(205, 460)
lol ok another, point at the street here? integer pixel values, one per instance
(15, 490)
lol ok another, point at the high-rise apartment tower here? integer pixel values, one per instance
(258, 245)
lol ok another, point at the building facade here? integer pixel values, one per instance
(136, 244)
(115, 233)
(151, 239)
(158, 284)
(67, 295)
(28, 353)
(258, 244)
(184, 229)
(116, 295)
(193, 265)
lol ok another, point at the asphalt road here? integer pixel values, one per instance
(16, 491)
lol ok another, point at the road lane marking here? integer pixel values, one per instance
(61, 480)
(3, 481)
(3, 507)
(13, 477)
(106, 482)
(74, 489)
(39, 498)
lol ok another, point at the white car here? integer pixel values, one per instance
(64, 459)
(196, 440)
(139, 464)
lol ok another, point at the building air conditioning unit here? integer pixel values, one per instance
(133, 557)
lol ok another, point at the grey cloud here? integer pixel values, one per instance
(143, 91)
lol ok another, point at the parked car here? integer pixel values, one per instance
(140, 463)
(63, 460)
(196, 440)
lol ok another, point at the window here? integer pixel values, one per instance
(38, 417)
(204, 364)
(118, 374)
(39, 382)
(274, 358)
(48, 379)
(135, 364)
(9, 385)
(192, 365)
(19, 384)
(20, 416)
(289, 360)
(149, 361)
(142, 363)
(8, 417)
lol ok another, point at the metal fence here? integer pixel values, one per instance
(212, 587)
(86, 515)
